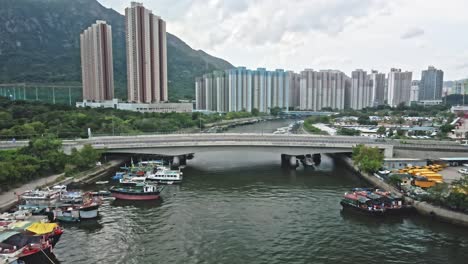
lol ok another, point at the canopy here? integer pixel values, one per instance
(5, 235)
(21, 225)
(42, 228)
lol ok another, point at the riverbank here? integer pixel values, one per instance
(423, 208)
(9, 199)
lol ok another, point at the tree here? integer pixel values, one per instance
(85, 158)
(274, 111)
(348, 132)
(381, 130)
(255, 112)
(368, 159)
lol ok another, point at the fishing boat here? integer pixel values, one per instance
(37, 201)
(165, 176)
(27, 246)
(71, 198)
(89, 209)
(137, 191)
(360, 204)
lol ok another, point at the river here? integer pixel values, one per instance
(238, 207)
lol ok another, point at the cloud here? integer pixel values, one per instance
(322, 34)
(412, 33)
(462, 66)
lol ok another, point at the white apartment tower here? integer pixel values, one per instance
(360, 93)
(96, 62)
(146, 55)
(399, 87)
(322, 89)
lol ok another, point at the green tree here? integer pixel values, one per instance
(381, 130)
(274, 111)
(368, 159)
(255, 112)
(85, 158)
(342, 131)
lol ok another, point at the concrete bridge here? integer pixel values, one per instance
(180, 144)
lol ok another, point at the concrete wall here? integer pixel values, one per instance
(427, 153)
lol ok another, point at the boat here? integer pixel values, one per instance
(37, 201)
(137, 191)
(360, 204)
(118, 176)
(102, 182)
(89, 209)
(71, 198)
(165, 176)
(27, 245)
(101, 193)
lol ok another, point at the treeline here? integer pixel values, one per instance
(42, 157)
(23, 120)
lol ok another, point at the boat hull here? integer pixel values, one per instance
(134, 196)
(165, 181)
(349, 207)
(89, 212)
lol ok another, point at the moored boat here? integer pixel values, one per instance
(89, 209)
(139, 191)
(360, 204)
(165, 176)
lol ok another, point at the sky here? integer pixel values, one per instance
(323, 34)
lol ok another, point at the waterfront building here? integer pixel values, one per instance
(322, 89)
(360, 93)
(414, 93)
(96, 62)
(399, 87)
(430, 87)
(240, 89)
(146, 55)
(377, 89)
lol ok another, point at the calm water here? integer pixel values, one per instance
(242, 208)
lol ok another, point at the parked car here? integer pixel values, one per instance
(463, 171)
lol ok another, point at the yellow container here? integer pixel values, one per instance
(424, 184)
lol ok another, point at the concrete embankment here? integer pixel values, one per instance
(423, 208)
(9, 200)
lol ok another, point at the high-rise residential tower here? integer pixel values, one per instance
(430, 87)
(240, 89)
(360, 93)
(414, 94)
(377, 89)
(96, 62)
(146, 55)
(399, 87)
(322, 89)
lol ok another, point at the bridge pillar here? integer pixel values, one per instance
(388, 152)
(288, 161)
(176, 161)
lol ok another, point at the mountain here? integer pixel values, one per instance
(40, 43)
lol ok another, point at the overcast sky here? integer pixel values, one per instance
(323, 34)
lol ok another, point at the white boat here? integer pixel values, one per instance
(165, 176)
(102, 182)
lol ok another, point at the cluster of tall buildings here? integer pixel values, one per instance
(146, 58)
(241, 89)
